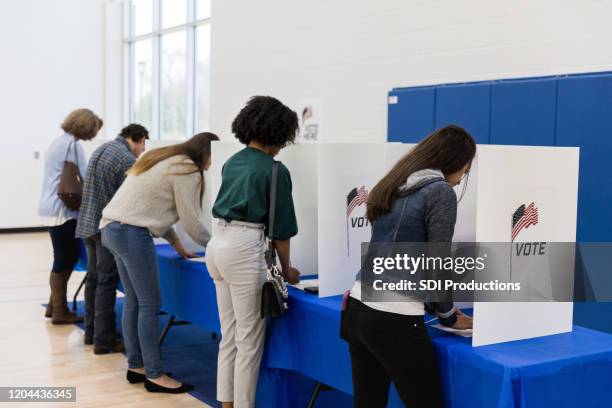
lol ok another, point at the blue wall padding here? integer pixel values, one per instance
(585, 119)
(465, 104)
(574, 110)
(523, 112)
(596, 316)
(413, 114)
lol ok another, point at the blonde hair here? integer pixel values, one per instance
(83, 124)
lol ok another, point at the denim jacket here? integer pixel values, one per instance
(425, 210)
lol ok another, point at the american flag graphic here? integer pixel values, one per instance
(523, 218)
(355, 198)
(306, 113)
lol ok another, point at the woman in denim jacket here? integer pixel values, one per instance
(388, 341)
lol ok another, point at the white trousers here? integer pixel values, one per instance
(235, 261)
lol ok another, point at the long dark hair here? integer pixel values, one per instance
(197, 149)
(447, 149)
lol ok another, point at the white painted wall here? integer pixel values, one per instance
(350, 53)
(53, 61)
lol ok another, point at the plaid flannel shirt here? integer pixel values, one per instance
(106, 172)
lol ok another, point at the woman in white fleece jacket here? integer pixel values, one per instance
(164, 187)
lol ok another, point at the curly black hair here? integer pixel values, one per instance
(135, 132)
(266, 120)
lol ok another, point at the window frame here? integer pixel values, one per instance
(156, 33)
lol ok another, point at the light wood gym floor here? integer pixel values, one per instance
(33, 352)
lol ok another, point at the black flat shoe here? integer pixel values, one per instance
(136, 378)
(152, 387)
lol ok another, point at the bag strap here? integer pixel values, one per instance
(272, 209)
(76, 153)
(399, 221)
(68, 150)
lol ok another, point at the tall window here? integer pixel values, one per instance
(168, 49)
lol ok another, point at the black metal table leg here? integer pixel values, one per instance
(74, 299)
(166, 328)
(315, 393)
(171, 322)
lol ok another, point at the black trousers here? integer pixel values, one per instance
(388, 347)
(100, 292)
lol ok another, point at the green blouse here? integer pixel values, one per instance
(245, 192)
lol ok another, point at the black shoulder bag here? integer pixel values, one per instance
(274, 293)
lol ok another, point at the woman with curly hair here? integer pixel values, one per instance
(235, 253)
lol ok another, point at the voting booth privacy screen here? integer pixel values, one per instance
(513, 194)
(522, 194)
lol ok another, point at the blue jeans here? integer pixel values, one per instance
(136, 260)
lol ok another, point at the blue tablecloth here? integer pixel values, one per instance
(188, 291)
(565, 370)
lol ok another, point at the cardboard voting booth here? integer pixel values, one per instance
(522, 194)
(507, 185)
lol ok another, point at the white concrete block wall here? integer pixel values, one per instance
(52, 62)
(349, 53)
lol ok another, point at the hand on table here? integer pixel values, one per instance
(292, 275)
(178, 247)
(463, 321)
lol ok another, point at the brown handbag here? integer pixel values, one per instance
(70, 189)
